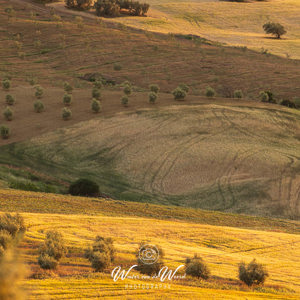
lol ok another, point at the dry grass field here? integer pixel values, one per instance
(222, 248)
(238, 24)
(35, 44)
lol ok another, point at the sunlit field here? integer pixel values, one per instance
(222, 247)
(238, 24)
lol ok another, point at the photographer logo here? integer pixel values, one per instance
(148, 254)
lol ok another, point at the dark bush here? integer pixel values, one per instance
(179, 94)
(67, 99)
(196, 267)
(84, 187)
(66, 114)
(10, 100)
(253, 273)
(8, 114)
(96, 105)
(152, 97)
(107, 8)
(38, 106)
(79, 4)
(4, 131)
(288, 103)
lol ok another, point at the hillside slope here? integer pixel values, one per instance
(226, 156)
(54, 48)
(222, 247)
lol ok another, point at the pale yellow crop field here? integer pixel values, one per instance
(238, 24)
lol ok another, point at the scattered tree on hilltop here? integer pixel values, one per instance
(113, 8)
(275, 29)
(79, 4)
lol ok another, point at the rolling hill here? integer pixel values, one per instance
(180, 232)
(223, 156)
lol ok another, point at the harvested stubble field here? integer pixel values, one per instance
(222, 247)
(224, 156)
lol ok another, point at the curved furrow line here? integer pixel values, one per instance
(129, 141)
(177, 149)
(234, 169)
(183, 149)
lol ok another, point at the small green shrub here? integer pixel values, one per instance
(66, 113)
(196, 267)
(84, 187)
(238, 94)
(67, 99)
(8, 114)
(52, 250)
(39, 91)
(68, 88)
(179, 94)
(184, 87)
(96, 93)
(98, 84)
(154, 88)
(124, 101)
(253, 273)
(47, 262)
(210, 92)
(6, 84)
(38, 106)
(96, 106)
(10, 100)
(152, 97)
(264, 97)
(4, 131)
(127, 90)
(101, 254)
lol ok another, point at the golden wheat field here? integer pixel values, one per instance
(223, 247)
